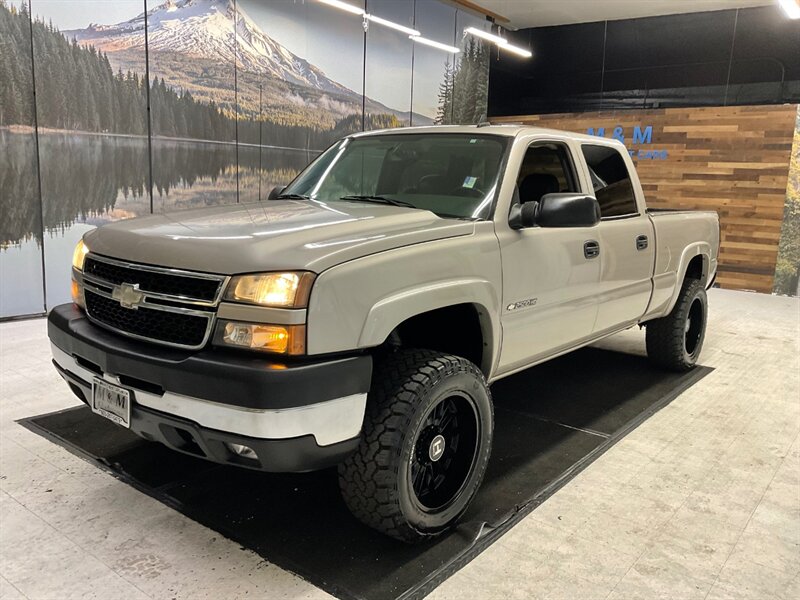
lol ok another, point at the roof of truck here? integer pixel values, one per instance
(509, 130)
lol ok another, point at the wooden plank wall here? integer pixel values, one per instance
(734, 160)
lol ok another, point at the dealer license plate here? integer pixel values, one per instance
(112, 402)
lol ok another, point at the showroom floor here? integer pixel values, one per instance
(701, 501)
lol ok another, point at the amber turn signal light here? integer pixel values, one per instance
(277, 339)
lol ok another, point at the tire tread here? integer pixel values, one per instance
(367, 478)
(665, 337)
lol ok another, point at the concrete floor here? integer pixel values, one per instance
(701, 501)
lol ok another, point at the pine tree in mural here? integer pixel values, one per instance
(79, 91)
(444, 113)
(471, 83)
(16, 104)
(464, 89)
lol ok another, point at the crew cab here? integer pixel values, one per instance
(357, 318)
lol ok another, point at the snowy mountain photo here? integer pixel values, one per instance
(193, 45)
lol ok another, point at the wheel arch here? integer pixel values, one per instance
(435, 316)
(695, 263)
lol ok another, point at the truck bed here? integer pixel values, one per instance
(661, 211)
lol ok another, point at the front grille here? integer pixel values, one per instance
(160, 282)
(158, 325)
(166, 306)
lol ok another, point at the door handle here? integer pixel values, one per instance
(641, 242)
(591, 249)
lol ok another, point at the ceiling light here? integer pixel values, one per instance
(344, 6)
(392, 25)
(432, 44)
(791, 8)
(486, 35)
(500, 41)
(412, 33)
(518, 51)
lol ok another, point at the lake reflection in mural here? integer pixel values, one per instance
(94, 179)
(228, 89)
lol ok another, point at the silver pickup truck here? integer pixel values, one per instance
(358, 316)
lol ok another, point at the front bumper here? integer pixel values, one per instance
(295, 416)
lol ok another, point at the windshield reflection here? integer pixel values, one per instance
(449, 174)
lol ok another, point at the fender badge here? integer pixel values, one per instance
(522, 304)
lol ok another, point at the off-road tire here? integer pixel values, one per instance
(672, 341)
(376, 481)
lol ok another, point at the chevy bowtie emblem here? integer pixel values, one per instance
(128, 295)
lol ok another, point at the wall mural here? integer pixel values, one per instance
(242, 95)
(787, 270)
(21, 229)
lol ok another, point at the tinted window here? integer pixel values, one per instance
(611, 181)
(546, 169)
(452, 175)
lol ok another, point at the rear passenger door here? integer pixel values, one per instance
(627, 247)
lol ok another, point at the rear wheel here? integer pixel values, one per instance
(425, 446)
(674, 342)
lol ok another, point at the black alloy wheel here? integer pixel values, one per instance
(674, 342)
(694, 328)
(444, 454)
(425, 445)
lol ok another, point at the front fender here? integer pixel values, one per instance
(357, 304)
(389, 312)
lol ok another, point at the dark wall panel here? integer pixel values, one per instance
(746, 56)
(643, 66)
(566, 66)
(766, 58)
(669, 40)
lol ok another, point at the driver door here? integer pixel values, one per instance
(550, 281)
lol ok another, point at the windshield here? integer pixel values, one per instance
(452, 175)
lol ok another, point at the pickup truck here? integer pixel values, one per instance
(357, 318)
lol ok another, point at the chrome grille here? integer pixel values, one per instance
(167, 306)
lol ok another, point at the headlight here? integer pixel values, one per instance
(279, 339)
(79, 255)
(282, 290)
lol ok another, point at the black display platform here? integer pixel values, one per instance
(551, 422)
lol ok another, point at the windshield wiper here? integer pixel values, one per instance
(292, 197)
(380, 199)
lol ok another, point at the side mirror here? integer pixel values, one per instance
(275, 192)
(567, 210)
(523, 215)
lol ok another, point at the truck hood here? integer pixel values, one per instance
(268, 236)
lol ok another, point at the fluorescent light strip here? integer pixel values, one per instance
(344, 6)
(412, 33)
(791, 8)
(392, 25)
(486, 36)
(432, 44)
(501, 42)
(514, 50)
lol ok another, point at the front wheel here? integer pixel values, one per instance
(674, 342)
(425, 445)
